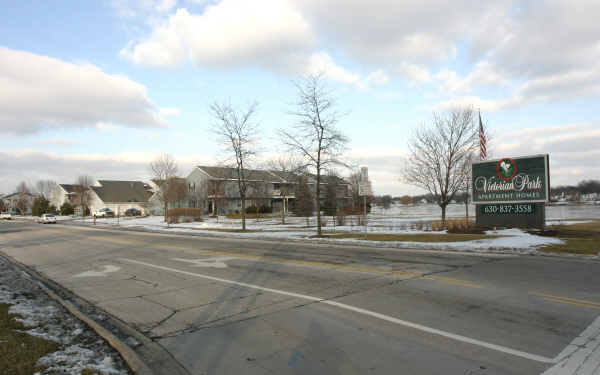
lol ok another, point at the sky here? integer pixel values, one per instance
(104, 87)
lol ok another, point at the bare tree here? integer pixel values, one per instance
(46, 188)
(438, 155)
(238, 134)
(289, 168)
(258, 195)
(22, 200)
(315, 136)
(164, 170)
(82, 188)
(176, 190)
(199, 193)
(355, 180)
(216, 189)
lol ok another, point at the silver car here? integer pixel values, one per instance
(47, 219)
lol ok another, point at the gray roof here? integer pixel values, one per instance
(17, 194)
(121, 191)
(69, 188)
(287, 176)
(225, 173)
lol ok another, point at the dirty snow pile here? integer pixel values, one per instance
(509, 240)
(81, 348)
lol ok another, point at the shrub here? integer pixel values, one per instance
(461, 226)
(251, 210)
(66, 209)
(187, 215)
(265, 209)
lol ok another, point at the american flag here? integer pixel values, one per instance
(482, 140)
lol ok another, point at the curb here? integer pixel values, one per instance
(146, 358)
(502, 251)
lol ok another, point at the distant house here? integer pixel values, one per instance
(62, 193)
(218, 186)
(115, 195)
(156, 206)
(11, 201)
(120, 195)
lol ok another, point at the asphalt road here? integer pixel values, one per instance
(231, 306)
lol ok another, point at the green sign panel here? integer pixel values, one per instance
(511, 180)
(507, 209)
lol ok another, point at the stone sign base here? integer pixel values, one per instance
(511, 215)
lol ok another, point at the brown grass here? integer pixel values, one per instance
(580, 238)
(411, 237)
(459, 225)
(19, 351)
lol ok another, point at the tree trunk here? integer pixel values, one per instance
(318, 195)
(443, 206)
(283, 210)
(243, 198)
(166, 207)
(467, 204)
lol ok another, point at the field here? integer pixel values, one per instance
(579, 238)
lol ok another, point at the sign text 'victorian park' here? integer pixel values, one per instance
(511, 191)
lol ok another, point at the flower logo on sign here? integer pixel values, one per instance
(506, 169)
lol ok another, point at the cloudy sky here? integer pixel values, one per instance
(103, 87)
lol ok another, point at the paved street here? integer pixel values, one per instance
(230, 306)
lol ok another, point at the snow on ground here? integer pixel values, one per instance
(296, 228)
(512, 240)
(35, 218)
(566, 222)
(80, 349)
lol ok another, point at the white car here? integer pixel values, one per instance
(47, 219)
(5, 216)
(104, 212)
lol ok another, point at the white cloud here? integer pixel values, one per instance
(483, 74)
(563, 86)
(506, 43)
(57, 142)
(385, 33)
(165, 5)
(323, 63)
(413, 73)
(377, 77)
(170, 111)
(478, 103)
(42, 93)
(231, 33)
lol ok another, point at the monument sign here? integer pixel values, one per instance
(511, 191)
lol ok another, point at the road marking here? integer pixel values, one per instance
(91, 273)
(216, 262)
(307, 263)
(568, 301)
(581, 356)
(503, 349)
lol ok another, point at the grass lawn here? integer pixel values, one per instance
(19, 351)
(451, 237)
(581, 238)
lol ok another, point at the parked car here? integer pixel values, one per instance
(104, 212)
(133, 212)
(5, 216)
(47, 219)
